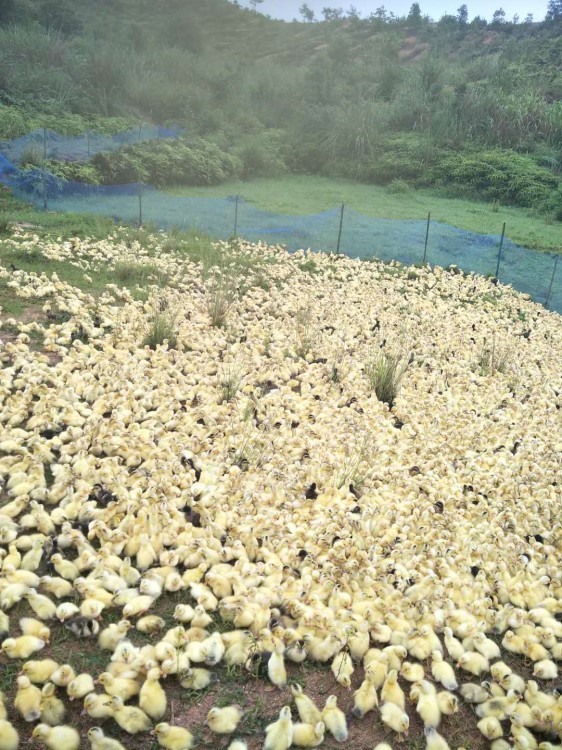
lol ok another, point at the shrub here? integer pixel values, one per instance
(397, 187)
(74, 171)
(503, 176)
(385, 373)
(170, 162)
(220, 297)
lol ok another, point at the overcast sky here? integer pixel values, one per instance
(289, 9)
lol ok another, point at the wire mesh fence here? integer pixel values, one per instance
(336, 230)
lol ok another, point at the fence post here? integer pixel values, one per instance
(546, 304)
(340, 229)
(426, 237)
(236, 216)
(500, 252)
(88, 142)
(140, 204)
(43, 176)
(140, 130)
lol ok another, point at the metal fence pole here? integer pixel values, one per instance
(43, 176)
(546, 304)
(340, 229)
(236, 216)
(140, 204)
(140, 130)
(88, 142)
(426, 237)
(500, 252)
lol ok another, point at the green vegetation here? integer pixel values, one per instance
(470, 108)
(385, 373)
(303, 194)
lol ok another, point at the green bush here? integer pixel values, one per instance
(503, 176)
(171, 162)
(74, 171)
(397, 187)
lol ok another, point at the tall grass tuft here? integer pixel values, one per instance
(220, 296)
(494, 358)
(229, 382)
(161, 326)
(385, 373)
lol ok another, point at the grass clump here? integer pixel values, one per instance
(161, 326)
(129, 272)
(304, 334)
(494, 358)
(220, 297)
(385, 373)
(229, 383)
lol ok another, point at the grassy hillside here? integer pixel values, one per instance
(471, 108)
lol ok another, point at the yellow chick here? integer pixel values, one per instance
(150, 624)
(490, 728)
(122, 687)
(28, 700)
(52, 708)
(30, 626)
(22, 647)
(334, 719)
(43, 607)
(447, 702)
(365, 698)
(152, 697)
(442, 671)
(395, 718)
(113, 634)
(428, 706)
(224, 720)
(238, 745)
(434, 741)
(500, 708)
(473, 693)
(9, 737)
(98, 740)
(486, 647)
(309, 713)
(305, 735)
(279, 735)
(276, 667)
(545, 670)
(130, 718)
(473, 662)
(80, 686)
(342, 668)
(39, 671)
(391, 691)
(57, 738)
(63, 675)
(173, 738)
(98, 706)
(412, 672)
(197, 678)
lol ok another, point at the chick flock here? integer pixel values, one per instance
(253, 472)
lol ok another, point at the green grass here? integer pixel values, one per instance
(302, 194)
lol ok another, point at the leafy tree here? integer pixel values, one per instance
(515, 19)
(255, 3)
(462, 15)
(554, 10)
(414, 16)
(528, 18)
(499, 16)
(332, 14)
(306, 12)
(353, 13)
